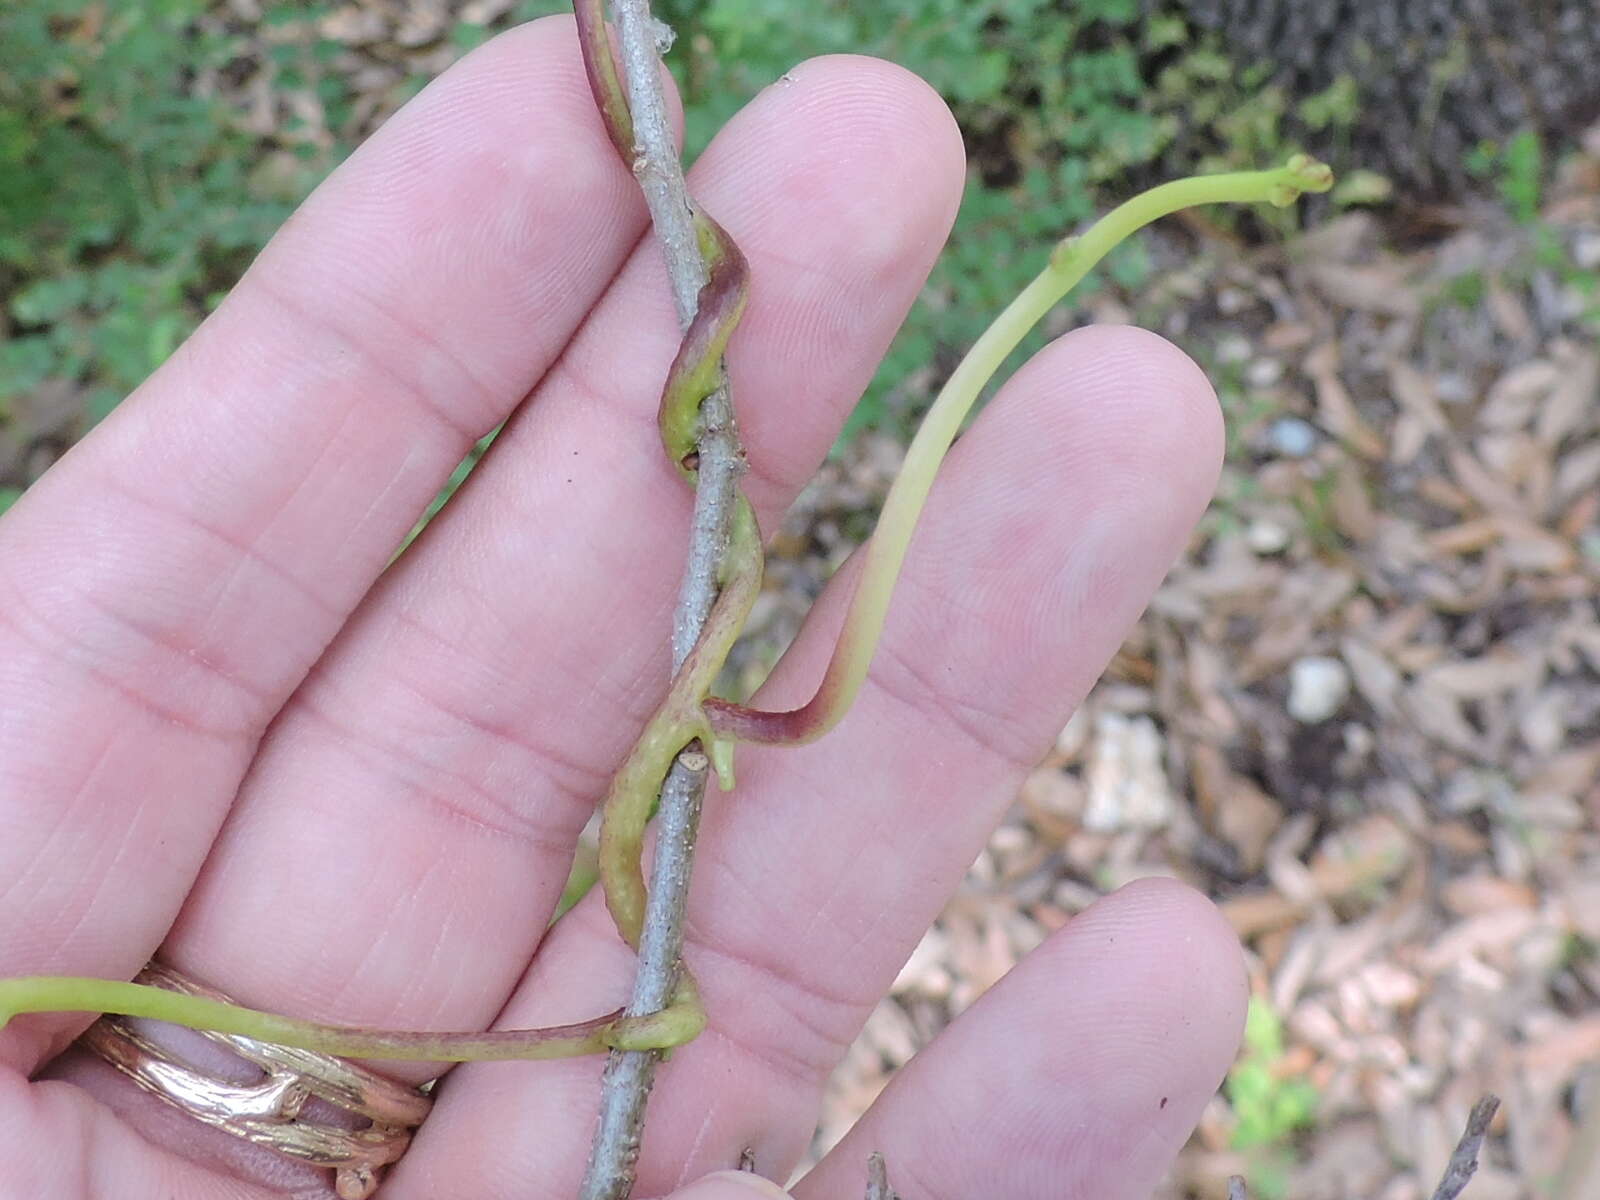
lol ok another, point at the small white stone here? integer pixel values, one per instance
(1586, 250)
(1317, 687)
(1234, 348)
(1232, 300)
(1263, 372)
(1127, 782)
(1452, 388)
(1267, 537)
(1292, 437)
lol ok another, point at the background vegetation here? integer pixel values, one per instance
(148, 150)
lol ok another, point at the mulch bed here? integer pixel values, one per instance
(1362, 713)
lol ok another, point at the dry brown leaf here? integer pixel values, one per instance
(1581, 518)
(1233, 807)
(1438, 714)
(1420, 413)
(1517, 396)
(1376, 678)
(1578, 471)
(1468, 537)
(1335, 410)
(1571, 773)
(1493, 934)
(1372, 851)
(1510, 315)
(1529, 547)
(1353, 513)
(924, 972)
(1258, 912)
(890, 1032)
(1487, 675)
(1520, 463)
(1437, 490)
(1282, 336)
(1488, 489)
(1053, 801)
(1542, 725)
(1381, 288)
(1473, 895)
(1414, 392)
(1580, 895)
(981, 957)
(1571, 1044)
(1573, 400)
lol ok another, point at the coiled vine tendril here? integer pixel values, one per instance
(688, 714)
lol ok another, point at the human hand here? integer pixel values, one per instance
(352, 798)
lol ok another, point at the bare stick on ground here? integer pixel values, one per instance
(629, 1075)
(1464, 1159)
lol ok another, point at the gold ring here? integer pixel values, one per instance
(268, 1111)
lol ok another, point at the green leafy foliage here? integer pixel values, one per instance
(130, 197)
(1517, 171)
(1269, 1105)
(1535, 249)
(1049, 100)
(1065, 108)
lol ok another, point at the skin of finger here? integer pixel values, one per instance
(731, 1185)
(1058, 514)
(173, 578)
(1081, 1074)
(57, 1143)
(427, 784)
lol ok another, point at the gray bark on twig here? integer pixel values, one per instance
(1464, 1160)
(629, 1076)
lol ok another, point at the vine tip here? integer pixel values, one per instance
(1301, 174)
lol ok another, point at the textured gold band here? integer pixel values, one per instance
(268, 1111)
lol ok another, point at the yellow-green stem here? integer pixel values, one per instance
(1071, 260)
(62, 993)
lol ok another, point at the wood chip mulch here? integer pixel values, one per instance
(1362, 713)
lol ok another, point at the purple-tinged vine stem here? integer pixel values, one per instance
(65, 993)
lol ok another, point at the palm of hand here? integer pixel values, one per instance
(352, 798)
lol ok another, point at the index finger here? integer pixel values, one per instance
(169, 583)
